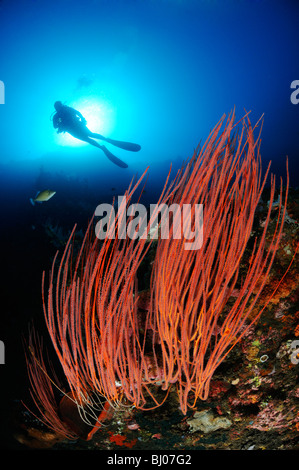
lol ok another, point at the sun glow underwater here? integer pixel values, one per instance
(100, 116)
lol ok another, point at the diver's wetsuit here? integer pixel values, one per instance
(67, 119)
(70, 120)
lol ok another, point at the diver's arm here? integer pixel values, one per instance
(81, 117)
(77, 113)
(57, 123)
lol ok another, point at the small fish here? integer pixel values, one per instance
(42, 196)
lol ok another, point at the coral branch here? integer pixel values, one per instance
(190, 289)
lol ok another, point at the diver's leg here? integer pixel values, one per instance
(108, 154)
(81, 135)
(92, 142)
(117, 143)
(94, 134)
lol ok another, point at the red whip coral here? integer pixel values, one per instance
(91, 316)
(91, 305)
(190, 288)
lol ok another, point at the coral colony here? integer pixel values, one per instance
(110, 353)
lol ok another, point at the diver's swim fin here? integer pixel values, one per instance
(113, 158)
(122, 145)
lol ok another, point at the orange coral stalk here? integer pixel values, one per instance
(190, 289)
(42, 390)
(91, 316)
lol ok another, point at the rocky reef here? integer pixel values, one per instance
(253, 399)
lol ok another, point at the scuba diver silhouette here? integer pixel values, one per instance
(67, 119)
